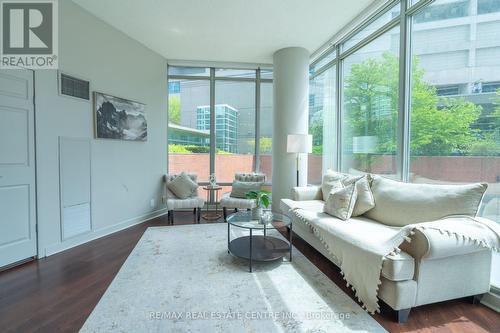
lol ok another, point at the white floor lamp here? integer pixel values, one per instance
(299, 144)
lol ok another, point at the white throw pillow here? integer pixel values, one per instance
(182, 186)
(400, 204)
(340, 202)
(331, 181)
(364, 201)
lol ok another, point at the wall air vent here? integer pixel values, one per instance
(74, 87)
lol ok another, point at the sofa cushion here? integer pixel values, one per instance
(399, 204)
(307, 193)
(315, 206)
(182, 186)
(340, 202)
(229, 202)
(240, 189)
(364, 200)
(397, 267)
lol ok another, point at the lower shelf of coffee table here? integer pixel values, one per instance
(264, 248)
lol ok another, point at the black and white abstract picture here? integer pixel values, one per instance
(120, 119)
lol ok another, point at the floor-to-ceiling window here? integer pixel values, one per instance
(322, 117)
(188, 127)
(422, 105)
(234, 123)
(213, 121)
(266, 126)
(455, 90)
(370, 106)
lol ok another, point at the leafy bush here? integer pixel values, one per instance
(192, 149)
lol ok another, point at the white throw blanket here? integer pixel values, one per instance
(361, 256)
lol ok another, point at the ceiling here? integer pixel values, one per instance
(226, 30)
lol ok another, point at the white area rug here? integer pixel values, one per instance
(181, 279)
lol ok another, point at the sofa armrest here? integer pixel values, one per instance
(431, 244)
(307, 193)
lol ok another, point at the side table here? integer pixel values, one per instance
(212, 199)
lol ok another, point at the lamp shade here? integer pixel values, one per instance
(299, 143)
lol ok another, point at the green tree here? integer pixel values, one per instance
(490, 145)
(439, 126)
(174, 109)
(316, 130)
(266, 144)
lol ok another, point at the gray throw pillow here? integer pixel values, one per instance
(182, 186)
(240, 189)
(340, 202)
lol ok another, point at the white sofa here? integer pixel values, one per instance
(431, 268)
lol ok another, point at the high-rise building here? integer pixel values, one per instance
(226, 125)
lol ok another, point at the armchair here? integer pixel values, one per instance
(193, 202)
(227, 201)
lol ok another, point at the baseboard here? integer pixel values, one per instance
(66, 245)
(491, 300)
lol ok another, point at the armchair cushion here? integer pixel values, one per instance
(182, 186)
(240, 189)
(189, 203)
(229, 202)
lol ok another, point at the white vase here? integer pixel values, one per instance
(256, 213)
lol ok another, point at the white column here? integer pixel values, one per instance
(290, 116)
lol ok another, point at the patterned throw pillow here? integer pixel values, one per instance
(182, 186)
(331, 180)
(340, 202)
(364, 200)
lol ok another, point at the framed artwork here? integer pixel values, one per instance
(119, 118)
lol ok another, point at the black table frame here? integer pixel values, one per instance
(253, 247)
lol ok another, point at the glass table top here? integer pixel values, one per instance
(269, 220)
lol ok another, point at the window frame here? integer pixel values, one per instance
(212, 78)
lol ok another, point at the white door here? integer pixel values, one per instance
(17, 167)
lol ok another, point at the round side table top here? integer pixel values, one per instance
(212, 188)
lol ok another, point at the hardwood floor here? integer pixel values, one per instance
(56, 294)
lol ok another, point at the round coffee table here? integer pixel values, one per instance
(258, 247)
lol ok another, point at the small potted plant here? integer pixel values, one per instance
(262, 199)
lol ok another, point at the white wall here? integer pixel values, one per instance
(125, 175)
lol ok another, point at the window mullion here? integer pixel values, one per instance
(404, 97)
(257, 121)
(213, 145)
